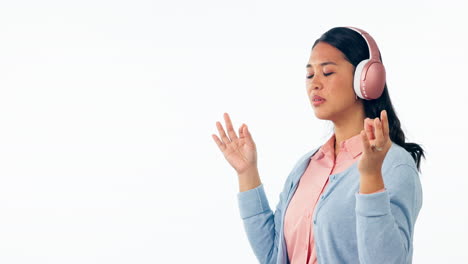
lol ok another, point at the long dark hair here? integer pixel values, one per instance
(355, 49)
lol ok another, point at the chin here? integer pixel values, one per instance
(320, 115)
(325, 114)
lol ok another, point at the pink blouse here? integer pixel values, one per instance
(298, 231)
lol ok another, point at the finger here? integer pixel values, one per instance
(230, 129)
(379, 136)
(369, 129)
(220, 144)
(368, 135)
(365, 142)
(244, 133)
(241, 132)
(248, 136)
(385, 126)
(224, 138)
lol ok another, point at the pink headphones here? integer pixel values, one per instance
(369, 77)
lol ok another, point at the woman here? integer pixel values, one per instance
(355, 199)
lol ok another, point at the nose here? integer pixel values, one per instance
(314, 83)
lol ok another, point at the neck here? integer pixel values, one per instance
(348, 126)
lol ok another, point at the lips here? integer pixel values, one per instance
(317, 98)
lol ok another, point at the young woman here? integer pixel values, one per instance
(355, 199)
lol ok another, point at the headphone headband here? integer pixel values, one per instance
(374, 52)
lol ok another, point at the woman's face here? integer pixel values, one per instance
(330, 76)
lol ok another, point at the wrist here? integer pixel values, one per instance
(249, 179)
(371, 183)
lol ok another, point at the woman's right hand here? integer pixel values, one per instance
(241, 151)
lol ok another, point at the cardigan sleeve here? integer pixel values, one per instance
(261, 225)
(385, 220)
(381, 190)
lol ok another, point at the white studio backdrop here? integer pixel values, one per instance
(107, 110)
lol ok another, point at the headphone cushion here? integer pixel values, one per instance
(357, 78)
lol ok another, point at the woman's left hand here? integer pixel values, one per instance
(375, 133)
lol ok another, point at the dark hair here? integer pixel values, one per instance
(355, 49)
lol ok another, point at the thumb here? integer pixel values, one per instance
(365, 142)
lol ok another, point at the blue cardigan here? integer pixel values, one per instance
(348, 227)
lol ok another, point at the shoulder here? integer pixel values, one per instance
(398, 156)
(399, 169)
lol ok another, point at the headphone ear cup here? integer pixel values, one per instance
(374, 80)
(358, 76)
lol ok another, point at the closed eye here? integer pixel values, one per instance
(326, 74)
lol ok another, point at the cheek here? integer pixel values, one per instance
(336, 85)
(342, 85)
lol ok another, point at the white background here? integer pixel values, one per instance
(107, 110)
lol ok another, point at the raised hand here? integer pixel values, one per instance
(241, 151)
(376, 143)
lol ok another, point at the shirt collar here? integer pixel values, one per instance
(352, 145)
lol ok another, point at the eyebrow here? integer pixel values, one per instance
(322, 64)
